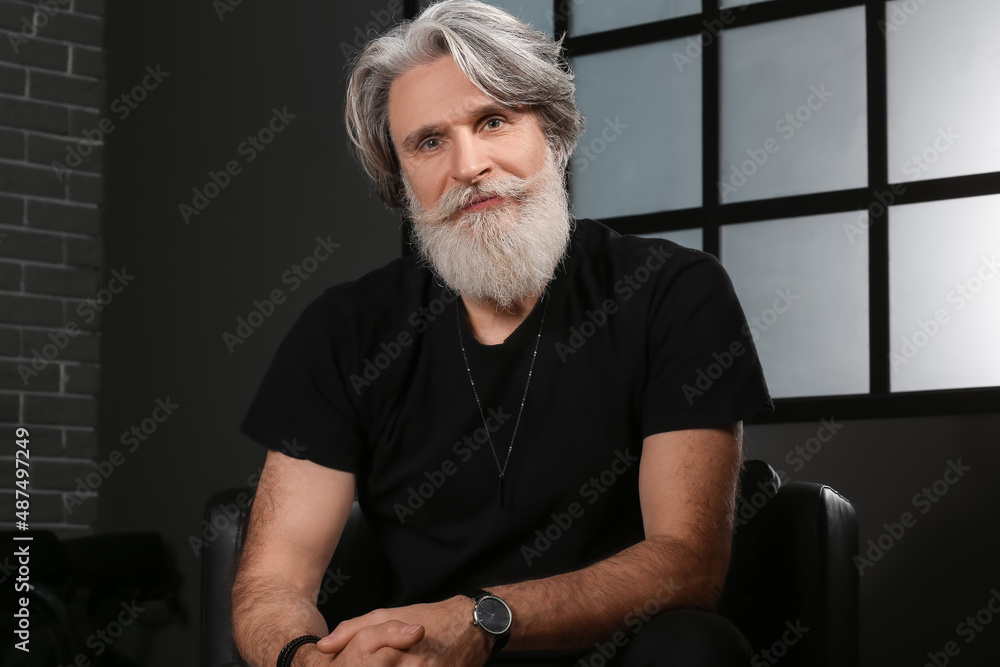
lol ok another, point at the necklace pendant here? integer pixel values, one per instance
(500, 484)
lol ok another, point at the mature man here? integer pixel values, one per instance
(541, 370)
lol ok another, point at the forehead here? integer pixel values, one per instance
(436, 94)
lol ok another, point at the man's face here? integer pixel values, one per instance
(448, 133)
(485, 193)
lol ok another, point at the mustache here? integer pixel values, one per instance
(450, 204)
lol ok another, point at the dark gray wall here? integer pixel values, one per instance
(163, 336)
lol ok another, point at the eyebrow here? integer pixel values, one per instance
(413, 139)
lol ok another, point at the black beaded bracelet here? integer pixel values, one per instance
(287, 653)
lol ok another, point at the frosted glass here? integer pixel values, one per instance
(597, 16)
(689, 238)
(642, 148)
(794, 107)
(812, 270)
(944, 294)
(538, 13)
(943, 87)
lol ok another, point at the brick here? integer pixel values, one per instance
(56, 475)
(36, 246)
(84, 313)
(46, 441)
(75, 347)
(89, 62)
(10, 342)
(80, 283)
(81, 379)
(11, 212)
(13, 80)
(52, 87)
(20, 375)
(85, 187)
(81, 508)
(35, 53)
(75, 28)
(14, 14)
(69, 153)
(96, 7)
(12, 144)
(28, 180)
(10, 406)
(62, 410)
(10, 277)
(45, 507)
(79, 219)
(30, 310)
(84, 252)
(31, 115)
(81, 444)
(82, 119)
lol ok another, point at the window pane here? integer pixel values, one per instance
(689, 238)
(794, 116)
(536, 12)
(944, 314)
(642, 148)
(803, 285)
(588, 17)
(738, 3)
(944, 88)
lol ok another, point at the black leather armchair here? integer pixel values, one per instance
(792, 587)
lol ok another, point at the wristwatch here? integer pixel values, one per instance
(492, 615)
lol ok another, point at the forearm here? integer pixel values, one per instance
(267, 615)
(577, 609)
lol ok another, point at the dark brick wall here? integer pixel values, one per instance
(52, 97)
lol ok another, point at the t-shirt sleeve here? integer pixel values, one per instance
(302, 407)
(703, 367)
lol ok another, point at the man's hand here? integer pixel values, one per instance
(449, 637)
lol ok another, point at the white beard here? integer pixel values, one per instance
(501, 254)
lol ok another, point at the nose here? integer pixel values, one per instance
(471, 162)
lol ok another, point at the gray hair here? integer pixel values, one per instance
(502, 56)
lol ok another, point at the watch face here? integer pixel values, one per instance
(493, 615)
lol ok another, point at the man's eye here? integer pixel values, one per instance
(431, 143)
(494, 123)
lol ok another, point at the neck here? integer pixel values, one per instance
(491, 324)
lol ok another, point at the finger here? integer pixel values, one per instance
(391, 634)
(342, 635)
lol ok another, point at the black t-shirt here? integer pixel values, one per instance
(640, 336)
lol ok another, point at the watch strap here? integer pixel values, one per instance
(287, 653)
